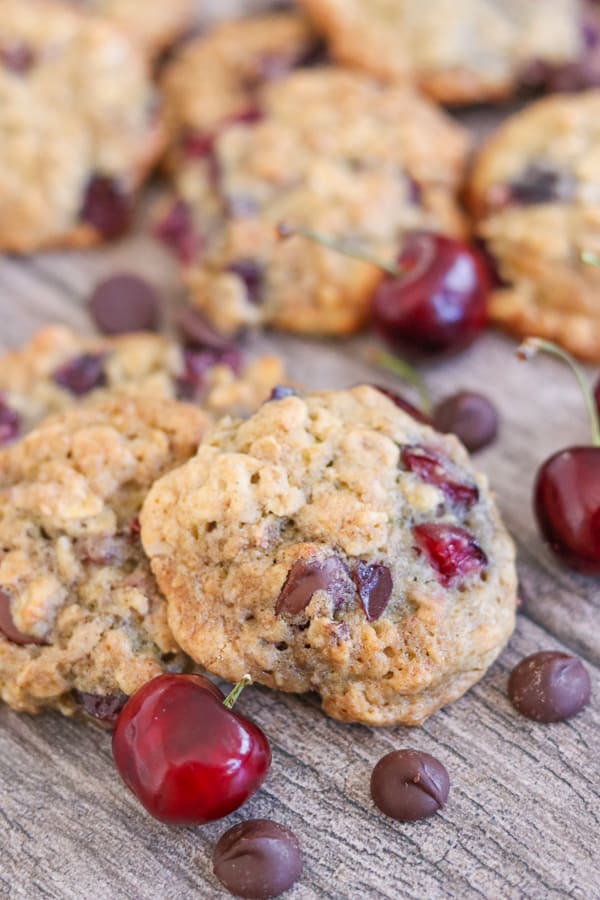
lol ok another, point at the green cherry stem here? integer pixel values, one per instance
(284, 230)
(531, 346)
(407, 373)
(233, 695)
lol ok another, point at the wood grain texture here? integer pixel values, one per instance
(523, 819)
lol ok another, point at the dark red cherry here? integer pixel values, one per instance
(8, 627)
(82, 374)
(106, 207)
(187, 757)
(566, 495)
(567, 507)
(437, 302)
(18, 58)
(177, 231)
(432, 468)
(452, 552)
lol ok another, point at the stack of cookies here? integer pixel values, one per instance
(165, 506)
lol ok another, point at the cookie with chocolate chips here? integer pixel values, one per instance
(83, 623)
(332, 543)
(79, 126)
(318, 147)
(535, 196)
(465, 51)
(59, 368)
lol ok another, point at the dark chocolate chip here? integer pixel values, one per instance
(18, 58)
(81, 374)
(258, 859)
(125, 303)
(106, 207)
(281, 391)
(306, 577)
(432, 468)
(409, 785)
(403, 404)
(177, 231)
(8, 627)
(103, 708)
(541, 183)
(470, 416)
(197, 363)
(251, 274)
(196, 331)
(374, 584)
(549, 686)
(10, 423)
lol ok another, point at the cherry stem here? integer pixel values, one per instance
(286, 231)
(533, 345)
(407, 372)
(590, 258)
(233, 695)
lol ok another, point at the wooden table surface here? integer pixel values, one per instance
(523, 819)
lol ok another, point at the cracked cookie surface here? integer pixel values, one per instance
(82, 621)
(465, 51)
(535, 191)
(320, 148)
(79, 126)
(333, 544)
(59, 368)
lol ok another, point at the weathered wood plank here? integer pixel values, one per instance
(522, 821)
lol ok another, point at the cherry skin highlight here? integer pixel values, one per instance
(187, 757)
(438, 301)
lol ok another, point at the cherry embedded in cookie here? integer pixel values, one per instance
(431, 467)
(10, 423)
(252, 274)
(451, 551)
(566, 495)
(541, 182)
(18, 58)
(185, 754)
(106, 207)
(176, 230)
(82, 374)
(103, 708)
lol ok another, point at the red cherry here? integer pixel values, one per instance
(437, 302)
(566, 496)
(451, 551)
(187, 757)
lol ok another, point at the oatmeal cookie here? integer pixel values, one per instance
(333, 544)
(155, 24)
(535, 193)
(79, 126)
(321, 148)
(82, 621)
(59, 368)
(465, 51)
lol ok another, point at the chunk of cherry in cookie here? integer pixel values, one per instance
(452, 552)
(106, 207)
(81, 374)
(101, 708)
(540, 182)
(433, 468)
(18, 58)
(177, 231)
(10, 423)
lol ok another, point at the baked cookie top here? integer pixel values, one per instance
(82, 622)
(321, 148)
(536, 194)
(59, 368)
(79, 126)
(333, 544)
(156, 24)
(462, 51)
